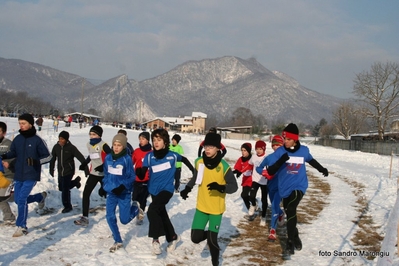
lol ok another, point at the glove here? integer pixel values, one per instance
(82, 167)
(265, 173)
(31, 161)
(118, 190)
(52, 172)
(324, 171)
(102, 193)
(3, 156)
(139, 173)
(216, 186)
(238, 173)
(184, 192)
(99, 168)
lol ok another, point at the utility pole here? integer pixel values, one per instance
(83, 85)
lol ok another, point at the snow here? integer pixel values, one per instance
(53, 239)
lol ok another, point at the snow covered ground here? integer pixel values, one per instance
(53, 239)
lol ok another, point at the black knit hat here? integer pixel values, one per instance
(247, 146)
(213, 139)
(64, 134)
(176, 137)
(145, 134)
(27, 117)
(98, 130)
(291, 131)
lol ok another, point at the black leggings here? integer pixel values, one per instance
(91, 183)
(290, 204)
(264, 192)
(198, 236)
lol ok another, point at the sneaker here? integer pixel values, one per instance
(289, 248)
(66, 210)
(21, 231)
(272, 235)
(177, 190)
(156, 247)
(172, 244)
(281, 219)
(115, 247)
(252, 210)
(42, 202)
(77, 180)
(141, 215)
(83, 221)
(297, 243)
(263, 221)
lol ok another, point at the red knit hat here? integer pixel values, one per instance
(260, 144)
(277, 140)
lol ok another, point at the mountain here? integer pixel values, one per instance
(216, 87)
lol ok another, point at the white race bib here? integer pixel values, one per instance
(161, 167)
(115, 171)
(200, 174)
(94, 155)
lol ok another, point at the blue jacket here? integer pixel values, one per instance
(118, 172)
(272, 184)
(24, 147)
(292, 175)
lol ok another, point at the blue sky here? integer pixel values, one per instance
(322, 44)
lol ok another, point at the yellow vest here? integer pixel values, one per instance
(211, 201)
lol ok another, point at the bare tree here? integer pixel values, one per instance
(378, 89)
(347, 119)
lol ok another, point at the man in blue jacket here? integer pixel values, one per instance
(30, 152)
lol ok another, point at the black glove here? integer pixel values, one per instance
(216, 186)
(82, 167)
(3, 156)
(31, 161)
(139, 173)
(237, 173)
(272, 169)
(324, 172)
(102, 193)
(99, 168)
(118, 190)
(52, 172)
(184, 192)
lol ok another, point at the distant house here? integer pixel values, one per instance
(190, 124)
(89, 117)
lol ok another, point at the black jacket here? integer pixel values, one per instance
(65, 156)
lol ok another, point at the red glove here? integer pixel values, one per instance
(266, 175)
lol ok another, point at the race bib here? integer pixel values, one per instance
(94, 155)
(161, 167)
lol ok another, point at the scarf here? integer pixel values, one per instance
(146, 147)
(95, 141)
(211, 163)
(159, 154)
(28, 133)
(244, 159)
(119, 155)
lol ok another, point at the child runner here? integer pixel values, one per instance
(272, 185)
(289, 164)
(201, 146)
(258, 181)
(174, 146)
(140, 187)
(243, 167)
(65, 153)
(97, 151)
(30, 152)
(214, 178)
(161, 164)
(118, 183)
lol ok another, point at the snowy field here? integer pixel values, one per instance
(53, 239)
